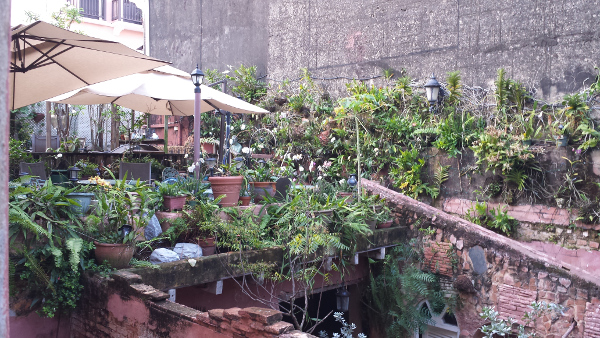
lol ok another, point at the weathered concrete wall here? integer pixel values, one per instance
(211, 33)
(550, 45)
(488, 269)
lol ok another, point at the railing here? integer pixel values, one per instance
(90, 8)
(126, 11)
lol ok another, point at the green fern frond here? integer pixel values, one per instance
(74, 245)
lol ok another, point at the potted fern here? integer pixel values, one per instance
(174, 195)
(120, 215)
(262, 180)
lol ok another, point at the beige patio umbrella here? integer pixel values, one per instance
(162, 91)
(47, 61)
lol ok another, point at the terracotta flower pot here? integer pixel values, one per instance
(229, 186)
(385, 225)
(166, 218)
(245, 200)
(173, 203)
(261, 189)
(117, 255)
(208, 245)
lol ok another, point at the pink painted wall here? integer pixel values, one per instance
(33, 325)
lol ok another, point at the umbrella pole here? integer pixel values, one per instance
(166, 134)
(227, 154)
(197, 130)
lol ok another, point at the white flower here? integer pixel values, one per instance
(200, 160)
(230, 141)
(245, 150)
(376, 150)
(332, 139)
(283, 115)
(186, 156)
(283, 168)
(342, 181)
(192, 168)
(311, 166)
(301, 169)
(59, 155)
(319, 178)
(243, 127)
(274, 130)
(297, 157)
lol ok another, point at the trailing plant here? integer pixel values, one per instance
(504, 327)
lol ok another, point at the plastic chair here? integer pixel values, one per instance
(34, 169)
(135, 171)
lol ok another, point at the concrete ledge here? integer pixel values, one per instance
(217, 267)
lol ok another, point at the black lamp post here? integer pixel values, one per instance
(197, 77)
(73, 174)
(211, 162)
(432, 89)
(343, 299)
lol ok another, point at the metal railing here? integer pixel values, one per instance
(93, 9)
(126, 11)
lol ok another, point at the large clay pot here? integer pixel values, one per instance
(117, 255)
(229, 186)
(262, 188)
(208, 245)
(166, 218)
(173, 203)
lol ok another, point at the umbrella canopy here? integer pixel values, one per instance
(47, 61)
(162, 91)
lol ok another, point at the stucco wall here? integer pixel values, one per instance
(550, 45)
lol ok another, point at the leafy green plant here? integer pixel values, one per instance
(246, 84)
(497, 149)
(406, 173)
(504, 327)
(172, 189)
(396, 291)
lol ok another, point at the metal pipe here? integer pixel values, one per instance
(197, 100)
(227, 145)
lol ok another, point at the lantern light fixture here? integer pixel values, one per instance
(197, 76)
(73, 173)
(432, 89)
(343, 299)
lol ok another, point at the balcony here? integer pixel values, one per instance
(127, 11)
(93, 9)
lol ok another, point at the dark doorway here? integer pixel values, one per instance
(328, 304)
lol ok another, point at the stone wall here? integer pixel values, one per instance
(488, 269)
(541, 219)
(123, 307)
(549, 45)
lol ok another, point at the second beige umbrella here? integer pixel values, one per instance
(162, 91)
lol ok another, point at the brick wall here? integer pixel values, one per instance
(120, 307)
(491, 270)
